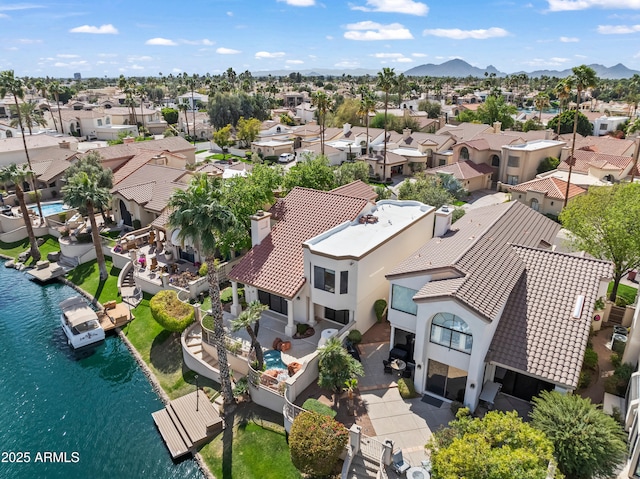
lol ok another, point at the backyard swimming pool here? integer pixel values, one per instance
(273, 360)
(49, 209)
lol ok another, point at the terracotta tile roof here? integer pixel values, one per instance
(147, 174)
(462, 170)
(134, 163)
(537, 333)
(174, 144)
(603, 144)
(551, 187)
(477, 248)
(276, 264)
(585, 159)
(357, 189)
(464, 131)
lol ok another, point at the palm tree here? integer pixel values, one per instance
(30, 114)
(183, 107)
(541, 101)
(367, 105)
(10, 84)
(245, 320)
(91, 163)
(84, 191)
(336, 366)
(401, 86)
(17, 175)
(55, 89)
(584, 78)
(386, 82)
(200, 216)
(322, 102)
(42, 88)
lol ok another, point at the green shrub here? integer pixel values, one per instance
(355, 336)
(202, 271)
(618, 382)
(136, 224)
(62, 216)
(171, 313)
(616, 360)
(456, 406)
(621, 301)
(316, 406)
(301, 328)
(241, 387)
(406, 388)
(590, 359)
(380, 308)
(457, 214)
(584, 380)
(316, 442)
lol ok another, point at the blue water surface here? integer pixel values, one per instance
(97, 405)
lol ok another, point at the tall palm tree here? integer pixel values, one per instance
(402, 83)
(367, 105)
(562, 91)
(183, 107)
(141, 92)
(84, 191)
(584, 78)
(541, 101)
(42, 88)
(322, 102)
(17, 175)
(31, 116)
(55, 89)
(201, 217)
(245, 321)
(386, 82)
(11, 84)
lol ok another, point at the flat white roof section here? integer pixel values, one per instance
(534, 145)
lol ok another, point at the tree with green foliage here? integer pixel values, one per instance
(224, 109)
(247, 130)
(18, 175)
(496, 109)
(347, 112)
(30, 114)
(453, 186)
(588, 442)
(541, 101)
(378, 121)
(386, 81)
(604, 223)
(467, 116)
(427, 189)
(432, 108)
(91, 164)
(201, 217)
(566, 119)
(222, 138)
(170, 115)
(316, 442)
(548, 164)
(171, 313)
(84, 191)
(57, 91)
(246, 320)
(336, 366)
(322, 102)
(310, 172)
(497, 446)
(367, 106)
(532, 124)
(351, 171)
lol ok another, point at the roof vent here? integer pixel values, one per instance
(260, 213)
(577, 307)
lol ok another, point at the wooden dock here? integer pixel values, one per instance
(115, 317)
(187, 423)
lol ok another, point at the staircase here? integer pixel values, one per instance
(131, 294)
(363, 468)
(616, 314)
(67, 262)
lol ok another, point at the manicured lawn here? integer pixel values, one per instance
(459, 203)
(87, 276)
(627, 292)
(14, 249)
(256, 452)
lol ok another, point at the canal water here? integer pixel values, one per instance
(68, 416)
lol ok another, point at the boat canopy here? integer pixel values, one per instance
(76, 311)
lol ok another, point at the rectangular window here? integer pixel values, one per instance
(275, 303)
(512, 179)
(340, 316)
(513, 162)
(344, 282)
(99, 122)
(603, 126)
(442, 162)
(402, 299)
(324, 279)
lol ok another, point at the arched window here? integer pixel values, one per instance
(495, 161)
(450, 331)
(535, 205)
(464, 153)
(9, 134)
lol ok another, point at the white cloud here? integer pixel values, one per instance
(204, 41)
(419, 55)
(387, 55)
(294, 62)
(67, 55)
(19, 6)
(139, 58)
(347, 64)
(176, 70)
(107, 55)
(394, 6)
(618, 29)
(544, 63)
(137, 67)
(161, 41)
(71, 64)
(404, 60)
(4, 15)
(229, 14)
(227, 51)
(457, 34)
(107, 29)
(299, 3)
(580, 56)
(260, 55)
(569, 5)
(569, 39)
(329, 37)
(369, 31)
(28, 41)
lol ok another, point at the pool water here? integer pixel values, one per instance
(273, 359)
(49, 209)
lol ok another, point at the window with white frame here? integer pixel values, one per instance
(324, 279)
(402, 299)
(512, 179)
(450, 331)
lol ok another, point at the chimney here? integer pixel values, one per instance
(565, 153)
(260, 227)
(65, 145)
(443, 221)
(548, 134)
(128, 139)
(406, 133)
(497, 126)
(346, 128)
(441, 122)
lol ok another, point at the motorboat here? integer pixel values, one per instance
(80, 322)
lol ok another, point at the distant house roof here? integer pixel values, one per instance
(150, 186)
(174, 144)
(462, 170)
(357, 189)
(276, 264)
(585, 159)
(537, 333)
(477, 249)
(464, 131)
(551, 187)
(603, 144)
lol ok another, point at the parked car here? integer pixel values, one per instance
(286, 158)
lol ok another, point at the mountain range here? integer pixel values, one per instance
(460, 68)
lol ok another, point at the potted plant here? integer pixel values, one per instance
(598, 314)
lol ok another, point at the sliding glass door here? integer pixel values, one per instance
(446, 381)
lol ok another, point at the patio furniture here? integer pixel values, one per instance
(417, 473)
(398, 366)
(399, 464)
(387, 367)
(407, 373)
(489, 392)
(398, 353)
(154, 264)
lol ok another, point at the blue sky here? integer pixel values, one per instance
(98, 38)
